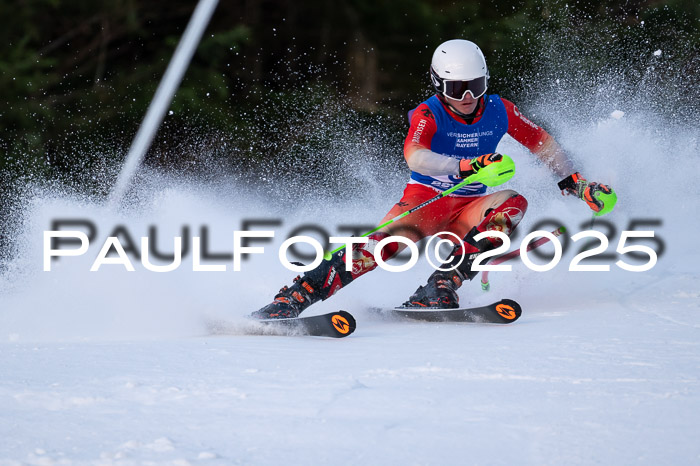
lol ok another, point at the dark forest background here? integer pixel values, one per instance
(76, 76)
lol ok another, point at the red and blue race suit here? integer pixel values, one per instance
(434, 126)
(459, 140)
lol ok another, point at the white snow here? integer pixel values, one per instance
(116, 367)
(575, 381)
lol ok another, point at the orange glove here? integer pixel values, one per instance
(596, 195)
(468, 167)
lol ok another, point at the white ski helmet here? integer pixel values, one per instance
(459, 67)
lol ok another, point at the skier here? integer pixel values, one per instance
(452, 135)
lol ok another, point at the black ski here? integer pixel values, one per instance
(334, 324)
(504, 311)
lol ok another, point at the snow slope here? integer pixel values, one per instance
(611, 383)
(115, 367)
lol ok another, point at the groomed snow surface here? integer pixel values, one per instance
(116, 367)
(596, 383)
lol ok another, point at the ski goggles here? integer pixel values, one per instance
(457, 90)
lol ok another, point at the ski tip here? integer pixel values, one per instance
(508, 310)
(343, 323)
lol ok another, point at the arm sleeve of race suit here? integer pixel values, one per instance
(416, 148)
(537, 140)
(427, 162)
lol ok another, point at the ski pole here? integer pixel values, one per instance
(491, 175)
(486, 286)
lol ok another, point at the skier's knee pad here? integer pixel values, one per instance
(504, 217)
